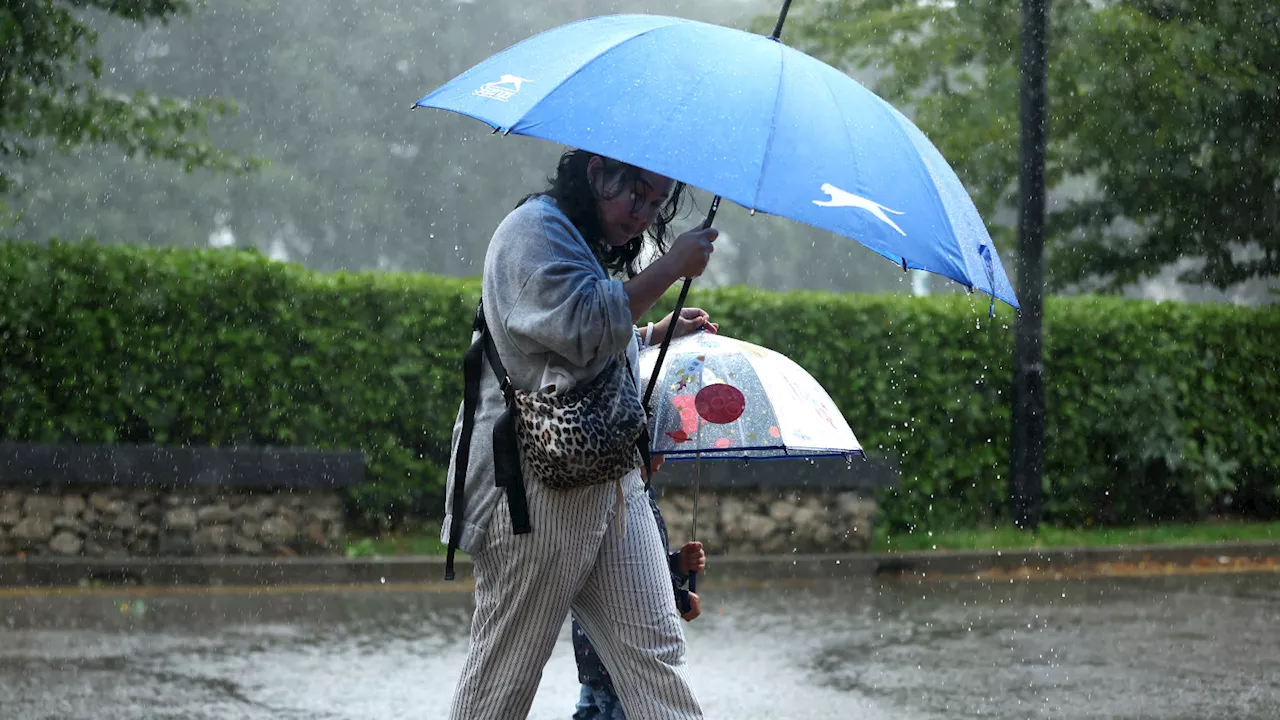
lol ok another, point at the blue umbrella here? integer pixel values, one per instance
(744, 117)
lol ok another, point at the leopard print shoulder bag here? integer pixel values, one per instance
(592, 434)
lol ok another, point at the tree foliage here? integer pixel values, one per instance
(55, 90)
(355, 180)
(1163, 118)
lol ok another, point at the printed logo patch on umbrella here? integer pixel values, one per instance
(503, 89)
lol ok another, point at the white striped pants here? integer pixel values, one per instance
(619, 587)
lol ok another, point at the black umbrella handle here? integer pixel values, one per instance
(711, 214)
(675, 315)
(782, 18)
(666, 343)
(693, 581)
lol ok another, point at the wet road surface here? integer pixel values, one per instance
(1165, 647)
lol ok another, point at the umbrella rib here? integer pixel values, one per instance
(922, 166)
(583, 66)
(773, 125)
(896, 127)
(831, 93)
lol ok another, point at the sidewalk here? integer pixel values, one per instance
(61, 572)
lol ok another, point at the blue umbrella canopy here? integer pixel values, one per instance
(746, 118)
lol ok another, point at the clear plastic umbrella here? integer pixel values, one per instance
(717, 397)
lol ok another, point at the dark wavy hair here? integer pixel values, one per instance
(572, 191)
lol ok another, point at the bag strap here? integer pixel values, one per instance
(506, 453)
(470, 398)
(646, 456)
(642, 441)
(507, 472)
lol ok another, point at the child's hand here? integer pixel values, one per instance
(692, 558)
(655, 462)
(695, 608)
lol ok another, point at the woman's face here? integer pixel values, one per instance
(630, 207)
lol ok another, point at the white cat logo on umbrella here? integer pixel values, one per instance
(843, 198)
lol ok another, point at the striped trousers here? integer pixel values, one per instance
(618, 586)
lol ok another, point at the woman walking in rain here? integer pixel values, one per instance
(561, 297)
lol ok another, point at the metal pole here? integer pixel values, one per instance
(1028, 379)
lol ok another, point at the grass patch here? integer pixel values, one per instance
(1009, 538)
(424, 540)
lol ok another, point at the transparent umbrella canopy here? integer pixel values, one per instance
(722, 398)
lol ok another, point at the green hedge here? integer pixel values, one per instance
(128, 344)
(1155, 410)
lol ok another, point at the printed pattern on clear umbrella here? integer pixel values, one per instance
(719, 397)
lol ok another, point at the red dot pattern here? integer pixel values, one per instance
(720, 404)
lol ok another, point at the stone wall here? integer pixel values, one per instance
(734, 521)
(125, 522)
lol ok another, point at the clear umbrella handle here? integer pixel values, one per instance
(675, 315)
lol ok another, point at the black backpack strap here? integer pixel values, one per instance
(506, 448)
(470, 399)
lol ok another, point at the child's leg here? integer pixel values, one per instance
(628, 610)
(599, 702)
(586, 708)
